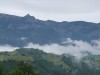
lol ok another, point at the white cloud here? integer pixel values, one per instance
(23, 38)
(73, 47)
(78, 49)
(7, 48)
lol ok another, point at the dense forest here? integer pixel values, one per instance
(26, 61)
(22, 68)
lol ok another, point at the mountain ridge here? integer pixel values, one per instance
(28, 15)
(44, 32)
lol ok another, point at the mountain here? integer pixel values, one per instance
(51, 64)
(19, 31)
(44, 63)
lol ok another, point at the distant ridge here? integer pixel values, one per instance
(13, 28)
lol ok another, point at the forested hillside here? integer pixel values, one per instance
(20, 61)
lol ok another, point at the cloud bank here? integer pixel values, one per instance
(73, 47)
(7, 48)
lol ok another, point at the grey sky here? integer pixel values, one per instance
(59, 10)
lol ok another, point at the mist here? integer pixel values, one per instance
(7, 47)
(72, 47)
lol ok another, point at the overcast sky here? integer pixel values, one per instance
(58, 10)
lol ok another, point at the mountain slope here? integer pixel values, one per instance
(51, 64)
(19, 31)
(43, 62)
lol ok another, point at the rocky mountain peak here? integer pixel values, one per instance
(29, 16)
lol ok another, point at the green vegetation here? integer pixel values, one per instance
(46, 63)
(22, 68)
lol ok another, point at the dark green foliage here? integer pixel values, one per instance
(1, 70)
(24, 68)
(46, 63)
(47, 67)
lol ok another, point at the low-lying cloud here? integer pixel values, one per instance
(73, 47)
(7, 48)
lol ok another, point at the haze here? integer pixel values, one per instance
(58, 10)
